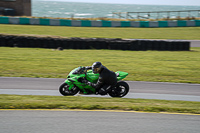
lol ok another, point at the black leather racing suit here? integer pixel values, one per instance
(107, 79)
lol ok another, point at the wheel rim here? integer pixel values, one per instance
(65, 90)
(121, 90)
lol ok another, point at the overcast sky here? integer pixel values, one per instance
(151, 2)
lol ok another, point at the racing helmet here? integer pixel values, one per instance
(96, 67)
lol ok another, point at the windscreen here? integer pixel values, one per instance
(79, 70)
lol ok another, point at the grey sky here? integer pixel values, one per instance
(151, 2)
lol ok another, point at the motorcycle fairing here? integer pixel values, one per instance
(77, 73)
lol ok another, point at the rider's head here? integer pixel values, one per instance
(96, 67)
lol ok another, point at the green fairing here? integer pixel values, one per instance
(73, 79)
(122, 75)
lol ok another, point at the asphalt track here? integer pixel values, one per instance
(138, 89)
(46, 121)
(32, 121)
(194, 43)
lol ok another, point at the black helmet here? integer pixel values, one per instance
(96, 67)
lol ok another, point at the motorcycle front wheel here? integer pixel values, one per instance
(120, 90)
(64, 90)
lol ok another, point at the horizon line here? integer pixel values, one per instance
(115, 3)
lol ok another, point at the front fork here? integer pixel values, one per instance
(71, 85)
(82, 87)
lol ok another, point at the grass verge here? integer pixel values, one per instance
(92, 103)
(159, 66)
(186, 33)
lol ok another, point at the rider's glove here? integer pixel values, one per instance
(86, 82)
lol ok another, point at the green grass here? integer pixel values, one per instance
(188, 33)
(163, 66)
(92, 103)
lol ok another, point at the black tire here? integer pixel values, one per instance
(64, 90)
(121, 89)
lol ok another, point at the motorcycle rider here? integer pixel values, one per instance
(107, 79)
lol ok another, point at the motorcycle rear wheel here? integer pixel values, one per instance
(64, 90)
(121, 89)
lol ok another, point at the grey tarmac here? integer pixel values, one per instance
(138, 89)
(40, 121)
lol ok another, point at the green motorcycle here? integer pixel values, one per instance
(73, 84)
